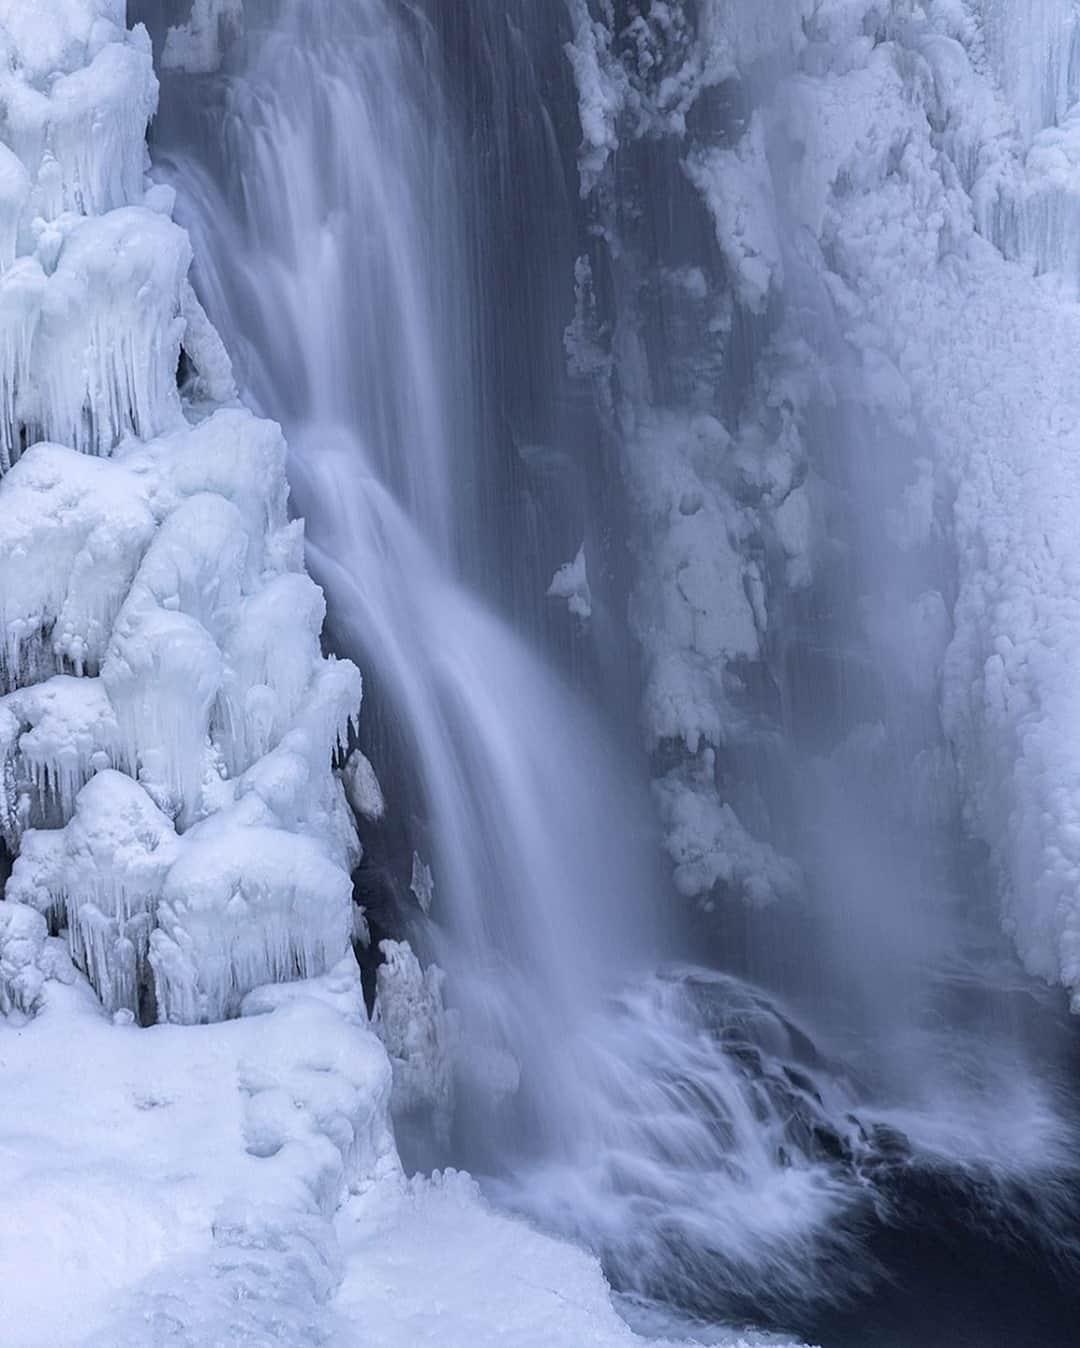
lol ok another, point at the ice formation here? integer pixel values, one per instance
(916, 165)
(710, 848)
(169, 723)
(23, 933)
(422, 883)
(417, 1032)
(196, 46)
(362, 787)
(571, 582)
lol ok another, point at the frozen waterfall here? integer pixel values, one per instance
(538, 588)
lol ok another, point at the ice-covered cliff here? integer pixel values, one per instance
(841, 377)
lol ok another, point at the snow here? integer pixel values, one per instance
(924, 276)
(243, 906)
(103, 871)
(91, 519)
(77, 90)
(53, 737)
(90, 332)
(917, 165)
(487, 1279)
(198, 1127)
(422, 883)
(159, 1239)
(288, 1223)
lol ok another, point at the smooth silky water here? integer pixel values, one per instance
(768, 1154)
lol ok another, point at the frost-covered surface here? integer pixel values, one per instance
(981, 350)
(488, 1279)
(169, 1170)
(915, 164)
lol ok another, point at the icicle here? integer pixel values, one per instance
(81, 105)
(271, 659)
(164, 668)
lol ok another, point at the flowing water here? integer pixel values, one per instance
(726, 1163)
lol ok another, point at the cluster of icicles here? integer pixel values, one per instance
(168, 722)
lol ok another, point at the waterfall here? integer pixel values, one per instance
(686, 1124)
(332, 257)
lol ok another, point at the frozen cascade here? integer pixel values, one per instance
(145, 532)
(543, 881)
(835, 442)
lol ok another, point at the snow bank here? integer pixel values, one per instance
(489, 1281)
(193, 1202)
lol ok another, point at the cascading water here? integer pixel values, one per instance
(349, 308)
(679, 1122)
(324, 216)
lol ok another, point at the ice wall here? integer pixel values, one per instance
(866, 407)
(169, 723)
(718, 495)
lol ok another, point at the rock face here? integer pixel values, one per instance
(169, 722)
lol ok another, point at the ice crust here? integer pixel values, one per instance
(169, 722)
